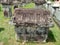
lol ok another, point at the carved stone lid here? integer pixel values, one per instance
(34, 16)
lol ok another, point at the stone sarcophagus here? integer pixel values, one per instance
(24, 2)
(32, 24)
(40, 2)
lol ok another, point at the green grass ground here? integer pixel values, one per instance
(7, 33)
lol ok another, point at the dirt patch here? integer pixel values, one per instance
(1, 43)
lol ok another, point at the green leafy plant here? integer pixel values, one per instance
(0, 8)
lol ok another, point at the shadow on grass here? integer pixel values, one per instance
(57, 22)
(51, 37)
(1, 29)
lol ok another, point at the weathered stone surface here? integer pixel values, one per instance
(7, 10)
(37, 2)
(6, 13)
(32, 16)
(30, 33)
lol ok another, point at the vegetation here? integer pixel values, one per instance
(0, 8)
(50, 0)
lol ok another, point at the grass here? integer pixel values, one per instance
(7, 33)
